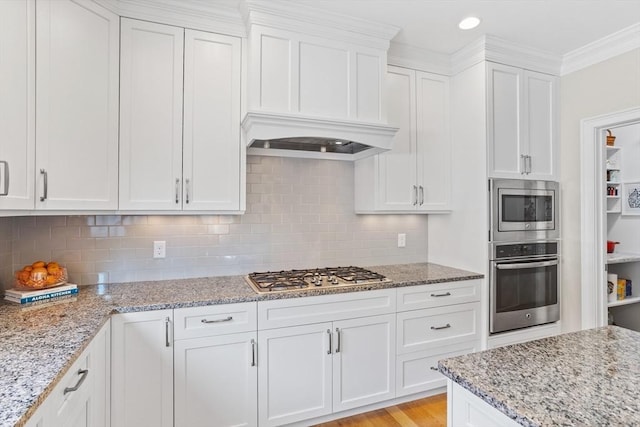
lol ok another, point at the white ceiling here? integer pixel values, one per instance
(554, 26)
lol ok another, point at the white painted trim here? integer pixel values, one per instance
(406, 56)
(204, 16)
(600, 50)
(593, 224)
(494, 49)
(317, 22)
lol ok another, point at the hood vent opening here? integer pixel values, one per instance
(309, 143)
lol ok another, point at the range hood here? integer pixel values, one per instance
(270, 134)
(316, 83)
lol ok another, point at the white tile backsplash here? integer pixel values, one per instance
(299, 214)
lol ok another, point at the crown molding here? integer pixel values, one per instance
(605, 48)
(494, 49)
(218, 17)
(403, 55)
(317, 22)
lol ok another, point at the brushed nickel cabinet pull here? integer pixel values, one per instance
(5, 190)
(330, 341)
(421, 195)
(446, 294)
(226, 319)
(415, 195)
(186, 195)
(46, 185)
(524, 164)
(253, 352)
(339, 339)
(166, 332)
(177, 190)
(437, 328)
(433, 368)
(83, 376)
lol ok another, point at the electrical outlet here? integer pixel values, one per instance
(402, 240)
(159, 249)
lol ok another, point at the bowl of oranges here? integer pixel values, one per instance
(40, 275)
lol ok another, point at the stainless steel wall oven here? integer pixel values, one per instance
(524, 285)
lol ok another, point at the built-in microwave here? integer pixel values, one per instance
(523, 210)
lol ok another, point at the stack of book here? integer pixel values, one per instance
(58, 293)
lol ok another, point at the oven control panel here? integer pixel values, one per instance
(517, 250)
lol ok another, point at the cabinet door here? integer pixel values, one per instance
(294, 375)
(540, 108)
(100, 365)
(212, 150)
(504, 130)
(142, 369)
(216, 381)
(364, 361)
(397, 186)
(76, 105)
(433, 142)
(151, 116)
(17, 103)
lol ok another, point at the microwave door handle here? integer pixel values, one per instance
(526, 265)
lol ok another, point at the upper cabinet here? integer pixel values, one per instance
(522, 116)
(17, 104)
(67, 158)
(414, 175)
(76, 105)
(179, 119)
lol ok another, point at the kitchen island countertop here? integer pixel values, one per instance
(39, 344)
(583, 378)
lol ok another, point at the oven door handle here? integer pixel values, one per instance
(521, 265)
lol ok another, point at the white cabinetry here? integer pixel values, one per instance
(309, 368)
(73, 163)
(17, 103)
(522, 116)
(142, 369)
(434, 322)
(216, 366)
(80, 399)
(179, 153)
(76, 105)
(415, 175)
(466, 409)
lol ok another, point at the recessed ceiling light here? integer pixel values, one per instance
(469, 23)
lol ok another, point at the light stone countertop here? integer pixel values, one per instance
(39, 344)
(585, 378)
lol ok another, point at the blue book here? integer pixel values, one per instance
(26, 297)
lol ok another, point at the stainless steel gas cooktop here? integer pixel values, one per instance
(292, 280)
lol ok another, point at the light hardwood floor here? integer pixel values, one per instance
(427, 412)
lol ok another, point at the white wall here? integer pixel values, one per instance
(606, 87)
(300, 213)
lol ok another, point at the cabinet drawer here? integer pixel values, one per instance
(317, 309)
(194, 322)
(69, 399)
(416, 372)
(421, 330)
(438, 295)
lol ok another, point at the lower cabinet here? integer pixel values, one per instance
(142, 369)
(311, 370)
(80, 399)
(216, 366)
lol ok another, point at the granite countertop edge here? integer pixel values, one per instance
(20, 414)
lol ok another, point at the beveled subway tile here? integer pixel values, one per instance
(80, 243)
(81, 220)
(108, 220)
(121, 254)
(107, 243)
(134, 219)
(64, 256)
(117, 231)
(94, 231)
(220, 229)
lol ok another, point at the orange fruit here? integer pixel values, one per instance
(38, 264)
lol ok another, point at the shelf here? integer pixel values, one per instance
(612, 148)
(613, 197)
(621, 257)
(628, 300)
(613, 183)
